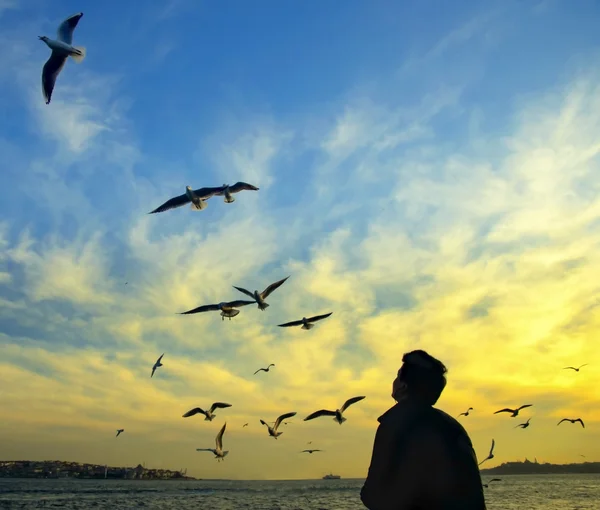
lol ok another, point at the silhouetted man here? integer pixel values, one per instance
(422, 458)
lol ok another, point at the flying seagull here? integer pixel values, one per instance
(572, 421)
(227, 190)
(490, 455)
(466, 413)
(576, 369)
(218, 451)
(208, 415)
(244, 425)
(514, 412)
(119, 432)
(197, 197)
(305, 323)
(228, 309)
(61, 49)
(273, 430)
(261, 296)
(157, 364)
(264, 369)
(337, 414)
(492, 480)
(524, 425)
(310, 451)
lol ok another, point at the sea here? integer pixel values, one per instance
(522, 492)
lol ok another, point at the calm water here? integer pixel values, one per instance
(569, 492)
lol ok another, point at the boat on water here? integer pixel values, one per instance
(331, 476)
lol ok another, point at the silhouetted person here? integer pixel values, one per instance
(422, 458)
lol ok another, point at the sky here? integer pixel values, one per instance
(429, 172)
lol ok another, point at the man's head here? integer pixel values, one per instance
(421, 376)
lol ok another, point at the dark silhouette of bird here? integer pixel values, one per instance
(227, 190)
(273, 430)
(524, 425)
(119, 432)
(466, 413)
(261, 296)
(514, 412)
(157, 364)
(208, 415)
(264, 369)
(490, 455)
(228, 309)
(337, 414)
(576, 369)
(492, 480)
(244, 425)
(304, 322)
(572, 421)
(197, 198)
(310, 451)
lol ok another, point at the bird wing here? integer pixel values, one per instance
(65, 29)
(495, 480)
(264, 370)
(192, 412)
(461, 414)
(265, 293)
(219, 405)
(172, 204)
(205, 450)
(240, 186)
(564, 419)
(238, 303)
(585, 364)
(219, 440)
(580, 421)
(523, 407)
(506, 410)
(264, 423)
(153, 370)
(319, 317)
(289, 324)
(247, 292)
(317, 414)
(492, 448)
(204, 308)
(52, 68)
(572, 368)
(351, 401)
(158, 360)
(206, 193)
(283, 417)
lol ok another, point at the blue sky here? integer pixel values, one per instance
(427, 170)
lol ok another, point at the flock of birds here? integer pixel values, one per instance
(62, 48)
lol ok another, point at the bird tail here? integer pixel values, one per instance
(263, 306)
(200, 206)
(225, 453)
(80, 55)
(229, 200)
(308, 326)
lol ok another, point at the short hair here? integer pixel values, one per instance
(423, 374)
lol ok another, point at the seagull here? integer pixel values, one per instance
(61, 49)
(264, 369)
(514, 412)
(261, 296)
(576, 369)
(228, 309)
(490, 455)
(524, 425)
(197, 197)
(244, 425)
(306, 323)
(310, 451)
(218, 451)
(208, 415)
(572, 421)
(119, 432)
(492, 480)
(337, 414)
(273, 430)
(227, 190)
(466, 413)
(157, 364)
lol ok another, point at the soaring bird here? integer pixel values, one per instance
(218, 451)
(305, 323)
(575, 368)
(261, 296)
(61, 50)
(119, 432)
(157, 364)
(208, 415)
(264, 369)
(197, 197)
(492, 480)
(514, 412)
(466, 413)
(524, 425)
(337, 414)
(228, 309)
(244, 425)
(572, 421)
(227, 190)
(491, 454)
(273, 430)
(310, 451)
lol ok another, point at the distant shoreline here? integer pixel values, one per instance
(535, 468)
